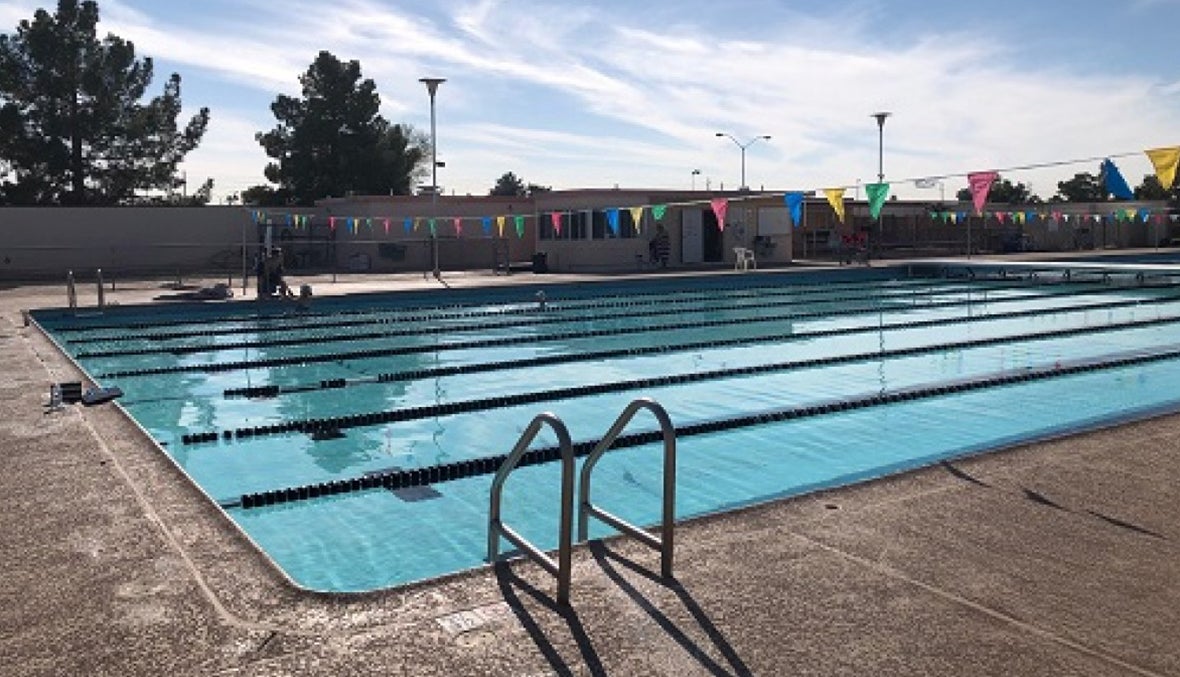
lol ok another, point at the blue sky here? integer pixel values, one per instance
(617, 92)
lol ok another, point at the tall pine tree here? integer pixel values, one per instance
(74, 125)
(332, 142)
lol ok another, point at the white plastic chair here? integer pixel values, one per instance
(744, 259)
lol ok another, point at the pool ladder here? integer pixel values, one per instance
(560, 569)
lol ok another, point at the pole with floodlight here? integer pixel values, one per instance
(431, 88)
(743, 147)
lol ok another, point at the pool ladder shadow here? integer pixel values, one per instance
(560, 569)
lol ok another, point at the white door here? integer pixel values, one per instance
(692, 242)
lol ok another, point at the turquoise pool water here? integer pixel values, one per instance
(746, 366)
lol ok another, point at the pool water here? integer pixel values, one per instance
(252, 400)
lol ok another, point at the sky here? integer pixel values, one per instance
(606, 93)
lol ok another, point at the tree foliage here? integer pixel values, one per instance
(74, 126)
(1083, 187)
(509, 185)
(1004, 191)
(1152, 189)
(332, 142)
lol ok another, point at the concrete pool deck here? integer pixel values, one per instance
(1055, 558)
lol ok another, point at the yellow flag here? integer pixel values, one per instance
(836, 199)
(637, 217)
(500, 225)
(1165, 161)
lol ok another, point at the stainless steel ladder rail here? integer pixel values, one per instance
(71, 290)
(586, 509)
(496, 527)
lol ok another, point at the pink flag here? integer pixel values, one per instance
(332, 222)
(458, 226)
(386, 222)
(555, 217)
(980, 184)
(720, 207)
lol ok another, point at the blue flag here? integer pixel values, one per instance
(1116, 185)
(795, 204)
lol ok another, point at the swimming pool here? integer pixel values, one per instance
(355, 443)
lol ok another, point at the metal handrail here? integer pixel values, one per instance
(71, 290)
(496, 528)
(585, 508)
(102, 299)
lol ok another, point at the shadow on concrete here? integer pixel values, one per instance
(737, 666)
(508, 582)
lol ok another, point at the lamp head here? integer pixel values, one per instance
(432, 84)
(881, 117)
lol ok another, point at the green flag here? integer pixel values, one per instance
(876, 192)
(519, 225)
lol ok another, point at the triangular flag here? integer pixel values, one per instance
(794, 202)
(417, 222)
(836, 199)
(720, 207)
(1165, 160)
(332, 223)
(369, 224)
(500, 225)
(1115, 184)
(980, 184)
(657, 211)
(1144, 214)
(555, 217)
(408, 224)
(433, 230)
(487, 225)
(876, 192)
(637, 217)
(458, 226)
(385, 223)
(519, 226)
(612, 220)
(1130, 214)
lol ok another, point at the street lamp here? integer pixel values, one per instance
(743, 146)
(880, 115)
(695, 172)
(881, 144)
(432, 87)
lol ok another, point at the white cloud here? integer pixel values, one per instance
(569, 95)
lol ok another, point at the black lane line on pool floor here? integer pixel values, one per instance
(553, 306)
(300, 360)
(637, 351)
(325, 425)
(435, 474)
(514, 324)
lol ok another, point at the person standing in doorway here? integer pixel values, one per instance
(660, 246)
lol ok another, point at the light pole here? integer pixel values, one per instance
(881, 144)
(695, 172)
(432, 87)
(880, 115)
(743, 146)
